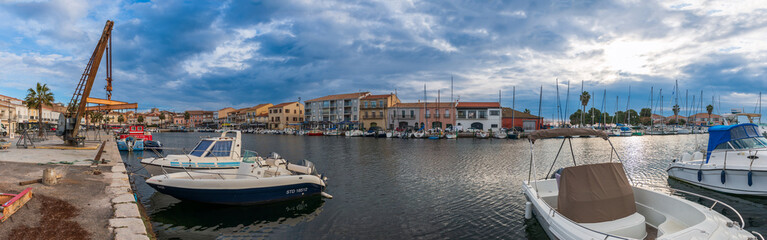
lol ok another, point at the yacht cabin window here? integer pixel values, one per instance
(746, 143)
(220, 149)
(201, 147)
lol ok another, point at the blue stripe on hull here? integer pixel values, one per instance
(241, 196)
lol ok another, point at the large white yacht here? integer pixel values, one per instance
(735, 161)
(598, 201)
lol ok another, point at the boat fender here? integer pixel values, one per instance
(700, 175)
(750, 178)
(723, 176)
(528, 210)
(326, 195)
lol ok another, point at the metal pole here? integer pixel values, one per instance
(555, 158)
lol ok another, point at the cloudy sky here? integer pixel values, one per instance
(197, 55)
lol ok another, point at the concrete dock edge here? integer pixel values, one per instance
(127, 222)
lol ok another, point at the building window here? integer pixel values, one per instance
(495, 112)
(493, 125)
(380, 103)
(366, 104)
(436, 114)
(427, 113)
(380, 113)
(372, 104)
(366, 114)
(471, 114)
(355, 118)
(374, 114)
(461, 114)
(412, 113)
(482, 114)
(447, 113)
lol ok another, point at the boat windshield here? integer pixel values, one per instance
(201, 147)
(745, 143)
(220, 149)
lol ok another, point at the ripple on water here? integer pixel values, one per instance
(415, 188)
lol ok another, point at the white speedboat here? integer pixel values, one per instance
(419, 134)
(735, 161)
(598, 201)
(626, 132)
(499, 134)
(213, 153)
(482, 134)
(256, 181)
(451, 135)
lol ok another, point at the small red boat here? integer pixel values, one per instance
(315, 133)
(137, 132)
(13, 202)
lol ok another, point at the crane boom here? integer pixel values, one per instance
(77, 106)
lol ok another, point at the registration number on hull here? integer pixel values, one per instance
(297, 190)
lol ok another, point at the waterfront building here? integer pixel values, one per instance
(262, 120)
(703, 119)
(12, 112)
(674, 118)
(374, 109)
(250, 114)
(484, 116)
(520, 120)
(406, 115)
(286, 115)
(178, 120)
(222, 116)
(334, 109)
(200, 118)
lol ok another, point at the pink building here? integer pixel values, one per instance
(437, 115)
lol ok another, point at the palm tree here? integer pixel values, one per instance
(36, 98)
(162, 118)
(585, 97)
(676, 112)
(709, 109)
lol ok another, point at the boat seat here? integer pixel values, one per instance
(632, 226)
(697, 156)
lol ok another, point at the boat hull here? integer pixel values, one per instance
(736, 180)
(241, 196)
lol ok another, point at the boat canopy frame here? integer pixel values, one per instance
(567, 134)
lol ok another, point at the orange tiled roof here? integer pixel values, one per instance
(340, 96)
(420, 105)
(378, 96)
(262, 115)
(478, 105)
(282, 104)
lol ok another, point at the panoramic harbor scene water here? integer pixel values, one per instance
(401, 119)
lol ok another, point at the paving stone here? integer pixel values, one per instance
(124, 198)
(119, 182)
(118, 168)
(126, 234)
(134, 225)
(115, 191)
(126, 210)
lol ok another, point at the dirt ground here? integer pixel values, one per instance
(76, 208)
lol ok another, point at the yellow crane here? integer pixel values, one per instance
(69, 123)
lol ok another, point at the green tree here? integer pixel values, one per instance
(140, 119)
(634, 117)
(585, 97)
(186, 117)
(645, 112)
(120, 119)
(37, 98)
(709, 109)
(96, 117)
(162, 118)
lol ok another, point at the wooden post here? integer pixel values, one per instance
(49, 177)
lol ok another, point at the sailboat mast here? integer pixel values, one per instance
(559, 107)
(652, 106)
(628, 116)
(567, 101)
(540, 100)
(513, 102)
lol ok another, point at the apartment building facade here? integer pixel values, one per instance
(286, 115)
(374, 111)
(335, 108)
(485, 116)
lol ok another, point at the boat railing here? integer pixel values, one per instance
(676, 192)
(163, 152)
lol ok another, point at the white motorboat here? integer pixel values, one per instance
(451, 135)
(734, 161)
(626, 132)
(256, 181)
(598, 201)
(419, 134)
(389, 134)
(213, 153)
(482, 134)
(499, 134)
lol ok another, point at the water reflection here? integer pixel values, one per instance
(414, 188)
(190, 220)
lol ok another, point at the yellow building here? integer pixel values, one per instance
(282, 115)
(250, 114)
(374, 110)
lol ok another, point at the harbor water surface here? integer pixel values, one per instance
(414, 188)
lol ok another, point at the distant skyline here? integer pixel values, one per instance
(209, 55)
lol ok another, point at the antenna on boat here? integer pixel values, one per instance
(567, 101)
